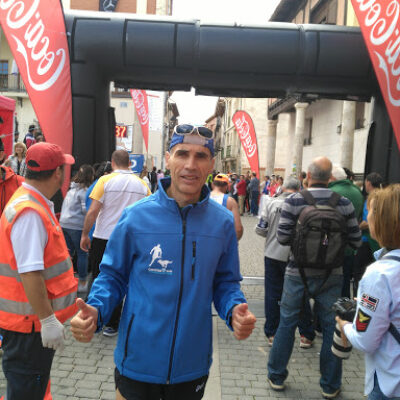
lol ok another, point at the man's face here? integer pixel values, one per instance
(189, 165)
(368, 187)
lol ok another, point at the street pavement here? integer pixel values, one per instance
(85, 371)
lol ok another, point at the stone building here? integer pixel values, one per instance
(292, 131)
(11, 85)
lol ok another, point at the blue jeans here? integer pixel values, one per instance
(377, 394)
(348, 262)
(273, 283)
(73, 239)
(254, 202)
(291, 305)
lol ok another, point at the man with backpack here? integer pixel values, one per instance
(317, 224)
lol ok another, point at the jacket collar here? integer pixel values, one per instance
(169, 202)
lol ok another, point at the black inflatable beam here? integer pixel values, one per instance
(273, 60)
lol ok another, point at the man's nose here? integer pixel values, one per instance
(191, 163)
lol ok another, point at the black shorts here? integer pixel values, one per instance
(136, 390)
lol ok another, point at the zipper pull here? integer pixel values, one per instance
(193, 258)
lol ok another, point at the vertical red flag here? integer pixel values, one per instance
(35, 31)
(142, 109)
(245, 128)
(380, 26)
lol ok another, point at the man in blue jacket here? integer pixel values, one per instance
(172, 255)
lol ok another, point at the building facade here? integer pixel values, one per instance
(11, 85)
(292, 131)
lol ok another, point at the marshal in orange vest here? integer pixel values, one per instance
(16, 314)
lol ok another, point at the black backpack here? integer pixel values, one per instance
(320, 236)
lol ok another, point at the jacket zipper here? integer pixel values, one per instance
(179, 298)
(193, 258)
(126, 340)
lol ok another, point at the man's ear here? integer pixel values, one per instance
(167, 157)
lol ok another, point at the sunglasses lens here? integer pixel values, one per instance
(183, 129)
(205, 132)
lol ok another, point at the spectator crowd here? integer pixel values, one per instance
(138, 242)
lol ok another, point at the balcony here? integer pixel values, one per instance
(12, 83)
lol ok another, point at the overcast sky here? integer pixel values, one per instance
(196, 109)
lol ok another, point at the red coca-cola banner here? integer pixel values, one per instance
(245, 128)
(380, 26)
(142, 109)
(35, 31)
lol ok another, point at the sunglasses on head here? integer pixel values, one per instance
(186, 129)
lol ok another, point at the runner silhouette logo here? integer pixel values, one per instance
(157, 264)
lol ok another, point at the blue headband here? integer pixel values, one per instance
(192, 139)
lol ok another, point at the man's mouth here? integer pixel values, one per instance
(189, 178)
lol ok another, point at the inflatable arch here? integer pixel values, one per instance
(272, 60)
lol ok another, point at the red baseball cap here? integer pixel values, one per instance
(46, 156)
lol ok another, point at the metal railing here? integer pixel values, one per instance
(12, 83)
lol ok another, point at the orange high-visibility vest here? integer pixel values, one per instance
(16, 314)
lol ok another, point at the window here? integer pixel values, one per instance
(325, 13)
(123, 104)
(360, 112)
(3, 73)
(307, 132)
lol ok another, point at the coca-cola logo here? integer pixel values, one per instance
(43, 64)
(243, 129)
(140, 104)
(381, 21)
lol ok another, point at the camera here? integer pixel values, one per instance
(345, 309)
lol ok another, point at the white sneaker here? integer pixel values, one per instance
(82, 287)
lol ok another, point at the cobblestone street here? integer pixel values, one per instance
(85, 371)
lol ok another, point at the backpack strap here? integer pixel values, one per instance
(308, 197)
(392, 328)
(394, 332)
(395, 258)
(334, 199)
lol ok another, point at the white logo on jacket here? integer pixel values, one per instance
(156, 253)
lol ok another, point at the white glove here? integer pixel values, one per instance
(52, 333)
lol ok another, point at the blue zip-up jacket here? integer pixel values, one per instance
(171, 263)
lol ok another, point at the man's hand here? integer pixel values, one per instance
(52, 333)
(85, 242)
(341, 324)
(84, 324)
(243, 321)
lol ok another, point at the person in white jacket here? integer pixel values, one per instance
(377, 321)
(72, 217)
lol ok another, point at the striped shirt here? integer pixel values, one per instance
(291, 210)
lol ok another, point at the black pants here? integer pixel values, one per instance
(26, 365)
(136, 390)
(363, 258)
(96, 253)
